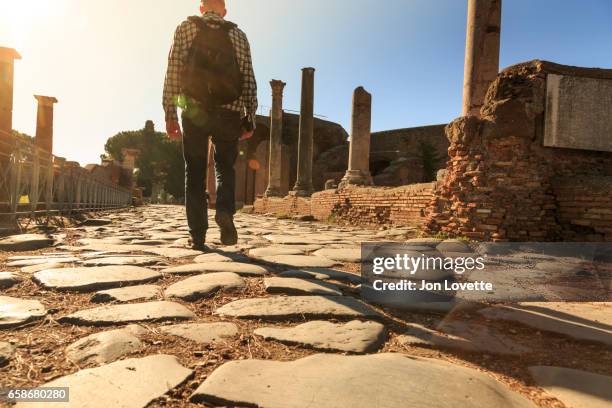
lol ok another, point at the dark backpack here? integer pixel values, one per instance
(212, 75)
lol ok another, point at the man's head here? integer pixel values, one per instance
(215, 6)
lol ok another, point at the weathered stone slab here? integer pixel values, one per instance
(463, 336)
(291, 239)
(353, 337)
(322, 274)
(301, 261)
(575, 388)
(127, 294)
(581, 321)
(296, 306)
(51, 259)
(93, 279)
(7, 350)
(172, 253)
(202, 286)
(352, 255)
(25, 242)
(213, 257)
(275, 250)
(107, 346)
(129, 313)
(294, 286)
(41, 267)
(122, 260)
(243, 269)
(202, 333)
(578, 112)
(16, 312)
(8, 279)
(123, 384)
(331, 381)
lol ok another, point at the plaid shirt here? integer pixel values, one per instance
(184, 36)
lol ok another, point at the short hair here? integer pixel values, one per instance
(213, 2)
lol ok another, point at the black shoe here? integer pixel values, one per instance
(197, 244)
(229, 235)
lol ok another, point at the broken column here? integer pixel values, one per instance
(481, 52)
(361, 125)
(303, 184)
(44, 122)
(276, 140)
(7, 63)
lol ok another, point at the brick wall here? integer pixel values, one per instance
(358, 205)
(585, 208)
(500, 176)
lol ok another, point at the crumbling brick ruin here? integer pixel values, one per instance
(504, 184)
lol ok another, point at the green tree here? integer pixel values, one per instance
(160, 159)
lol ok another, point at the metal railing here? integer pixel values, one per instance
(34, 182)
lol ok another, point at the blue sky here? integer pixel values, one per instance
(105, 60)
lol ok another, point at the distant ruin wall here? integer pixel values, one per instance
(501, 180)
(372, 206)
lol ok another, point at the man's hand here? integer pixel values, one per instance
(246, 134)
(174, 130)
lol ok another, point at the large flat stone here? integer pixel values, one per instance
(202, 333)
(51, 259)
(581, 321)
(301, 261)
(127, 294)
(575, 388)
(293, 286)
(213, 257)
(332, 381)
(296, 306)
(8, 279)
(105, 347)
(96, 278)
(41, 267)
(352, 255)
(25, 242)
(322, 274)
(122, 260)
(128, 383)
(243, 269)
(463, 336)
(202, 286)
(275, 250)
(578, 112)
(172, 253)
(16, 312)
(7, 351)
(129, 313)
(353, 337)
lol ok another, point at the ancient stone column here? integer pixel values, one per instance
(481, 52)
(276, 140)
(303, 184)
(7, 63)
(359, 155)
(44, 123)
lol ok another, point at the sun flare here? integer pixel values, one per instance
(21, 17)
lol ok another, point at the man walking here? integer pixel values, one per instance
(210, 77)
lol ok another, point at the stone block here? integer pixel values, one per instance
(578, 112)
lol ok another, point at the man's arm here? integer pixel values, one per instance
(249, 84)
(183, 37)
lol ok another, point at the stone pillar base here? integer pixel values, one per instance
(301, 193)
(273, 192)
(356, 177)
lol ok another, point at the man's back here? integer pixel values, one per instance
(184, 37)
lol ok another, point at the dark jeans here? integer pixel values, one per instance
(224, 127)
